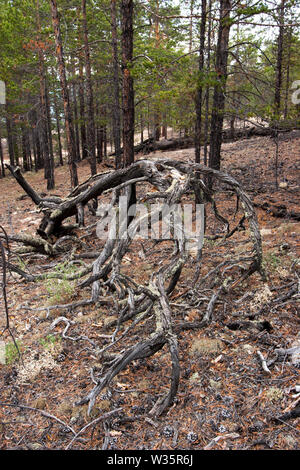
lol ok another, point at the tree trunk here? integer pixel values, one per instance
(2, 159)
(116, 93)
(76, 128)
(200, 87)
(84, 148)
(128, 93)
(48, 158)
(65, 95)
(37, 143)
(51, 181)
(288, 65)
(142, 128)
(105, 139)
(278, 81)
(90, 98)
(57, 118)
(207, 95)
(26, 152)
(9, 138)
(15, 141)
(100, 144)
(191, 26)
(219, 89)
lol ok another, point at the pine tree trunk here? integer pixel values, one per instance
(34, 150)
(116, 93)
(51, 180)
(142, 129)
(10, 138)
(100, 144)
(127, 92)
(56, 110)
(77, 139)
(199, 91)
(278, 81)
(219, 89)
(37, 140)
(287, 82)
(24, 152)
(84, 148)
(48, 159)
(191, 26)
(15, 139)
(65, 95)
(2, 159)
(105, 140)
(90, 98)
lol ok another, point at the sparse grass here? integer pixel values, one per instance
(49, 342)
(209, 243)
(286, 228)
(271, 261)
(61, 290)
(21, 264)
(12, 353)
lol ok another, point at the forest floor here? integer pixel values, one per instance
(225, 399)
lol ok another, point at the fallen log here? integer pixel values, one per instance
(151, 145)
(278, 210)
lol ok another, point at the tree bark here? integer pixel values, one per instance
(219, 89)
(65, 95)
(287, 84)
(50, 141)
(278, 81)
(2, 159)
(76, 127)
(57, 118)
(116, 93)
(128, 93)
(9, 137)
(89, 92)
(207, 95)
(48, 159)
(84, 148)
(199, 91)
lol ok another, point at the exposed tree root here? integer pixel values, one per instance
(142, 304)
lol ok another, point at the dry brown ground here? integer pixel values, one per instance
(223, 393)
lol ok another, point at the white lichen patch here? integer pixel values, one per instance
(206, 346)
(32, 367)
(283, 273)
(261, 297)
(274, 394)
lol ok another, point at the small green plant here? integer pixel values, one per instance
(271, 261)
(49, 342)
(12, 351)
(61, 290)
(21, 264)
(210, 243)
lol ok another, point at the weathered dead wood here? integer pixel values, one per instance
(42, 412)
(133, 302)
(56, 212)
(104, 417)
(152, 145)
(293, 414)
(278, 210)
(264, 363)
